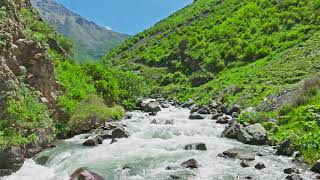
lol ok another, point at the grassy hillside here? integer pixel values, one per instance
(257, 53)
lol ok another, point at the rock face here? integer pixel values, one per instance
(24, 63)
(253, 134)
(84, 174)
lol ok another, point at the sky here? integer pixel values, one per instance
(125, 16)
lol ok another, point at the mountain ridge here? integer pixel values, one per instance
(92, 41)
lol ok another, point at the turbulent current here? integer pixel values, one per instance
(153, 147)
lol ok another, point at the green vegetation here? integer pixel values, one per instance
(256, 53)
(26, 119)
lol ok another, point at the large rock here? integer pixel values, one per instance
(94, 141)
(231, 131)
(10, 161)
(260, 166)
(195, 116)
(316, 167)
(119, 133)
(151, 107)
(285, 149)
(253, 134)
(84, 174)
(191, 164)
(196, 146)
(223, 120)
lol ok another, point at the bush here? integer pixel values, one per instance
(92, 113)
(27, 118)
(254, 117)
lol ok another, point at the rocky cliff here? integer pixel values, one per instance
(24, 64)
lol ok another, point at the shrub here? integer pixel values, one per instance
(254, 117)
(92, 113)
(26, 119)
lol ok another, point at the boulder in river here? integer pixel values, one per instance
(150, 107)
(119, 133)
(223, 120)
(244, 164)
(316, 167)
(10, 161)
(247, 157)
(294, 177)
(196, 146)
(165, 105)
(113, 140)
(204, 110)
(191, 164)
(94, 141)
(291, 171)
(285, 149)
(152, 113)
(254, 134)
(84, 174)
(231, 153)
(195, 115)
(260, 166)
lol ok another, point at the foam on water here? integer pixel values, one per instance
(151, 148)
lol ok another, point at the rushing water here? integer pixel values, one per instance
(151, 148)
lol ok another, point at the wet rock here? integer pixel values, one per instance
(223, 120)
(254, 134)
(84, 174)
(217, 115)
(10, 161)
(316, 167)
(231, 131)
(154, 122)
(244, 164)
(172, 176)
(152, 114)
(193, 108)
(187, 104)
(119, 133)
(285, 149)
(196, 146)
(294, 177)
(173, 167)
(191, 164)
(195, 115)
(169, 122)
(291, 171)
(260, 166)
(248, 177)
(94, 141)
(231, 153)
(113, 140)
(150, 107)
(247, 157)
(110, 126)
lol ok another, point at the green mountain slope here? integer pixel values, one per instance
(260, 54)
(92, 41)
(211, 35)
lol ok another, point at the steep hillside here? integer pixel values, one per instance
(92, 41)
(260, 54)
(45, 95)
(210, 35)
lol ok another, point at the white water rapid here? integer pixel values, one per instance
(151, 148)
